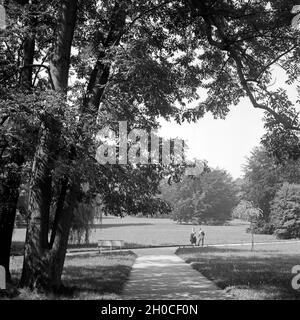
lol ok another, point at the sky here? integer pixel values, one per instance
(225, 144)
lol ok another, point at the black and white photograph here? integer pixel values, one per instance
(149, 152)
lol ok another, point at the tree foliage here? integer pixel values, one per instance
(285, 212)
(263, 177)
(209, 198)
(245, 210)
(69, 68)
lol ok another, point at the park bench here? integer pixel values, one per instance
(110, 244)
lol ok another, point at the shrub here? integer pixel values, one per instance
(285, 212)
(263, 227)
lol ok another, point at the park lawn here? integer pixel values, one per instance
(260, 275)
(87, 277)
(147, 232)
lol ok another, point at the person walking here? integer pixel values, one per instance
(201, 235)
(193, 238)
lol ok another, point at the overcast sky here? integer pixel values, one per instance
(225, 143)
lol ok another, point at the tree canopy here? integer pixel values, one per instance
(285, 212)
(69, 68)
(209, 198)
(263, 178)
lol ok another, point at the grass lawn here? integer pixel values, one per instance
(264, 274)
(259, 275)
(138, 232)
(89, 276)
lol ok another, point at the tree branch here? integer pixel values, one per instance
(285, 121)
(271, 63)
(141, 15)
(39, 69)
(30, 66)
(41, 66)
(227, 45)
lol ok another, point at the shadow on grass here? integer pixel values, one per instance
(87, 276)
(267, 274)
(98, 279)
(100, 275)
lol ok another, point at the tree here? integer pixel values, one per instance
(125, 68)
(263, 177)
(205, 199)
(285, 212)
(82, 222)
(245, 210)
(53, 183)
(244, 42)
(13, 151)
(43, 262)
(218, 196)
(261, 180)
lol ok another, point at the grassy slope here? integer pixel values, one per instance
(262, 274)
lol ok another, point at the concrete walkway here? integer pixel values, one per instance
(160, 274)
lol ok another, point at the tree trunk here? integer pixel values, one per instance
(59, 209)
(60, 244)
(252, 235)
(9, 194)
(101, 72)
(43, 265)
(10, 182)
(43, 270)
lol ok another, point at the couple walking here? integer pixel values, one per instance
(197, 239)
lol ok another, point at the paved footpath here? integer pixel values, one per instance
(160, 274)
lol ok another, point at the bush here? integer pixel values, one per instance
(282, 234)
(213, 222)
(263, 227)
(285, 212)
